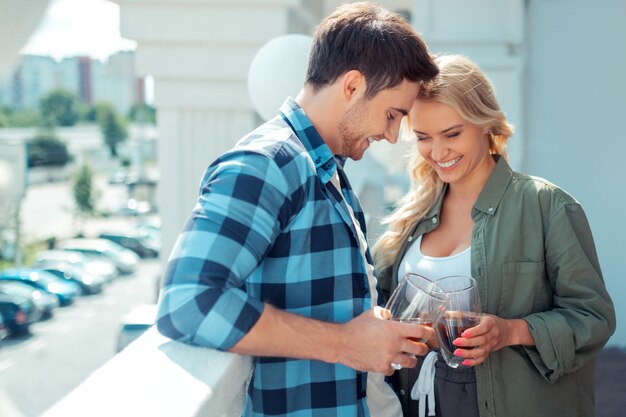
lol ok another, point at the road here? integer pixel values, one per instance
(48, 209)
(38, 370)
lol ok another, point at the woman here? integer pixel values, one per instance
(528, 244)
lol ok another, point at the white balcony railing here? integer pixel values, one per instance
(155, 376)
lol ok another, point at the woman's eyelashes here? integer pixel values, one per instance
(448, 136)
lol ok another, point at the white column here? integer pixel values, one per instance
(199, 52)
(18, 20)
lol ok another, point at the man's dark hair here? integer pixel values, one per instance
(366, 37)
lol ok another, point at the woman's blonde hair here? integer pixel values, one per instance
(462, 85)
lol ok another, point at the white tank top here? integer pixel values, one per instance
(433, 267)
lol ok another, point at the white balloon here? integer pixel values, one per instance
(277, 71)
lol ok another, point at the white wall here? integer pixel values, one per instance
(576, 107)
(158, 377)
(19, 19)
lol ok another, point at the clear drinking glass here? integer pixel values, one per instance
(462, 311)
(416, 300)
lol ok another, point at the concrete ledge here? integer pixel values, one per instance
(156, 376)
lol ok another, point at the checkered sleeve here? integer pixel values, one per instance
(240, 211)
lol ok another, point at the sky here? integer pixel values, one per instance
(79, 27)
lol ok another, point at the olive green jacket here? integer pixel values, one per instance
(534, 258)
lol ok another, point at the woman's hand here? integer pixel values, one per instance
(492, 334)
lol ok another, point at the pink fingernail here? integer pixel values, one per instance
(456, 342)
(466, 333)
(466, 363)
(457, 352)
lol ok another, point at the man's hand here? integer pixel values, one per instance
(371, 343)
(366, 343)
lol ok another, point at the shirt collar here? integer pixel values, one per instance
(491, 194)
(435, 210)
(318, 150)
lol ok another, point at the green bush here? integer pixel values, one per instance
(142, 113)
(25, 118)
(46, 149)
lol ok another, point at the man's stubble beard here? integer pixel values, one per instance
(351, 137)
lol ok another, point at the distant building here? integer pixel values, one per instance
(114, 81)
(85, 87)
(92, 81)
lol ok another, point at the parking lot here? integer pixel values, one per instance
(39, 368)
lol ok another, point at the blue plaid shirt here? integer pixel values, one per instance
(270, 228)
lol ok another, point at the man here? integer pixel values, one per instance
(273, 262)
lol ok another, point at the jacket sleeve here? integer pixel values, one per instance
(238, 215)
(582, 318)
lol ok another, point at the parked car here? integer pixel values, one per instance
(135, 208)
(94, 265)
(89, 284)
(135, 323)
(18, 313)
(150, 230)
(44, 301)
(125, 260)
(118, 176)
(133, 241)
(65, 291)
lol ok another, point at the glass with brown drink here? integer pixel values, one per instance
(416, 300)
(463, 312)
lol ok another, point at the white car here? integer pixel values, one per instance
(90, 264)
(125, 260)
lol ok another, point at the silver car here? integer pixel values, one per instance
(90, 264)
(125, 260)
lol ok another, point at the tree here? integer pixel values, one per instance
(60, 108)
(101, 110)
(86, 113)
(46, 149)
(82, 188)
(114, 131)
(142, 113)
